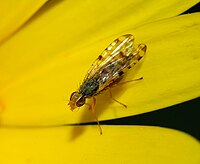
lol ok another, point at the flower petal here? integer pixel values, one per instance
(39, 98)
(65, 26)
(15, 13)
(83, 144)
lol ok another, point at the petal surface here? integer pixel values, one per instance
(15, 13)
(170, 70)
(83, 144)
(62, 27)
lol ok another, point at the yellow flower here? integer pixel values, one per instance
(45, 52)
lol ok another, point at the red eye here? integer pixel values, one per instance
(73, 96)
(80, 102)
(78, 99)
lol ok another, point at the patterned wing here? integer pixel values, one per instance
(113, 62)
(109, 53)
(113, 71)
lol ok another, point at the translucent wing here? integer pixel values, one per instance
(112, 72)
(114, 61)
(109, 53)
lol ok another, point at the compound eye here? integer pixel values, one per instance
(80, 102)
(73, 96)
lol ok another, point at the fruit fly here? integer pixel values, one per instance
(107, 71)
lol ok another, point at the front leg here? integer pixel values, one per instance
(93, 106)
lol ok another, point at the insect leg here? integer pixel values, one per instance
(94, 112)
(115, 99)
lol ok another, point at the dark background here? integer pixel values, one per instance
(183, 117)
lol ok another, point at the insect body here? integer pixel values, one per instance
(107, 70)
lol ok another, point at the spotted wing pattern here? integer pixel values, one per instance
(108, 54)
(114, 61)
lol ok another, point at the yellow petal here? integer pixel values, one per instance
(170, 70)
(67, 25)
(15, 13)
(118, 144)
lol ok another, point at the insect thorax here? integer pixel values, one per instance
(89, 87)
